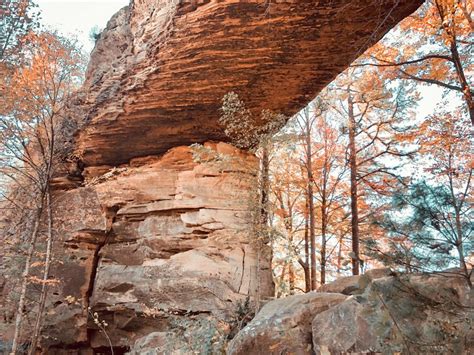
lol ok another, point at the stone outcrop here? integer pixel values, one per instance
(408, 314)
(160, 69)
(157, 246)
(283, 326)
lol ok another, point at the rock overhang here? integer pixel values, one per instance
(161, 68)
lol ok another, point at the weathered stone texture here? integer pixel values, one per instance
(351, 285)
(145, 246)
(161, 68)
(283, 326)
(405, 314)
(155, 235)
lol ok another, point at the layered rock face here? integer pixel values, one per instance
(161, 68)
(163, 245)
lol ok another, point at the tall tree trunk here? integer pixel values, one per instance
(26, 273)
(323, 240)
(457, 205)
(312, 234)
(265, 181)
(47, 265)
(307, 274)
(262, 233)
(291, 268)
(354, 192)
(281, 280)
(291, 277)
(460, 247)
(339, 256)
(450, 30)
(467, 93)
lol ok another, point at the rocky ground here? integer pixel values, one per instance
(376, 313)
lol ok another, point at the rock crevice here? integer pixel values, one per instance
(144, 271)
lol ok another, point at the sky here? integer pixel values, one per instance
(78, 17)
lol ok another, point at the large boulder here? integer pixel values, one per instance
(407, 314)
(356, 284)
(283, 326)
(412, 314)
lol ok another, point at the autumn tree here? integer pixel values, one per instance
(17, 19)
(306, 121)
(304, 243)
(32, 136)
(433, 46)
(288, 215)
(376, 119)
(328, 179)
(430, 222)
(446, 143)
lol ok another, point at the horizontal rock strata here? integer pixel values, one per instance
(154, 234)
(157, 247)
(160, 69)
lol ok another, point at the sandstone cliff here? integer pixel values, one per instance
(162, 245)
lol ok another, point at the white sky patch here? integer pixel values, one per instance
(78, 17)
(431, 96)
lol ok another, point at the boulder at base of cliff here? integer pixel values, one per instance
(412, 314)
(283, 326)
(407, 314)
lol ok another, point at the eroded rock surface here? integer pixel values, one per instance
(161, 68)
(283, 326)
(416, 314)
(356, 284)
(163, 247)
(405, 314)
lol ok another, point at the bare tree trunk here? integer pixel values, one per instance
(468, 96)
(323, 240)
(312, 234)
(339, 257)
(354, 192)
(457, 205)
(291, 269)
(263, 230)
(291, 277)
(26, 273)
(466, 14)
(450, 30)
(460, 247)
(307, 274)
(281, 280)
(47, 266)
